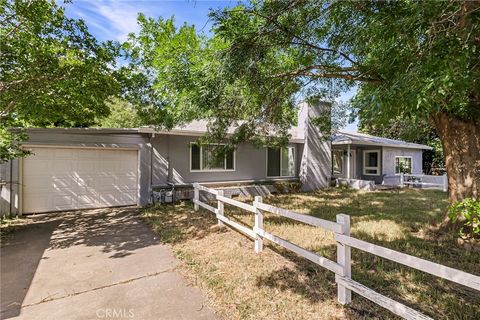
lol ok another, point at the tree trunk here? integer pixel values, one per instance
(461, 149)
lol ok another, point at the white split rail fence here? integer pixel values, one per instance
(342, 267)
(421, 180)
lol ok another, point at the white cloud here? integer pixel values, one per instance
(122, 18)
(113, 19)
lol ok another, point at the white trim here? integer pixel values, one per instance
(139, 177)
(375, 144)
(20, 186)
(294, 160)
(395, 165)
(377, 151)
(201, 159)
(61, 146)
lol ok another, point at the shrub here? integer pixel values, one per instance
(466, 211)
(287, 186)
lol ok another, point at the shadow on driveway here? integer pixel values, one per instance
(19, 259)
(75, 264)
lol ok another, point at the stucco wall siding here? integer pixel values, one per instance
(172, 162)
(389, 155)
(9, 189)
(316, 161)
(387, 161)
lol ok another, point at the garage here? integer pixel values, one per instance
(70, 178)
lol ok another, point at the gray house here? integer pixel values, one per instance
(365, 157)
(91, 168)
(81, 168)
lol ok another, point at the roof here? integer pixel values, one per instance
(200, 127)
(344, 138)
(82, 130)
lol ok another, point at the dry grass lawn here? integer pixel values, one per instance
(277, 284)
(9, 225)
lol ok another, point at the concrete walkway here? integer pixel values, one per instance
(97, 264)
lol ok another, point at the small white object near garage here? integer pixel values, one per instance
(70, 178)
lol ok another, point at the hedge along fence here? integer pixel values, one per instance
(342, 267)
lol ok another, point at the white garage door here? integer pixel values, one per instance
(72, 178)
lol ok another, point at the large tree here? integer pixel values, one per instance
(177, 75)
(416, 60)
(409, 59)
(53, 72)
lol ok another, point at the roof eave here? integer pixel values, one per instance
(405, 146)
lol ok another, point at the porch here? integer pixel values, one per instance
(363, 161)
(356, 162)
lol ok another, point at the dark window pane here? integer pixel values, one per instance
(273, 162)
(229, 159)
(372, 159)
(403, 165)
(337, 160)
(288, 162)
(212, 158)
(195, 154)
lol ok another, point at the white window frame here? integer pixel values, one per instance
(365, 168)
(395, 164)
(201, 159)
(294, 160)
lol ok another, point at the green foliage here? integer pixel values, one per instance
(468, 212)
(10, 144)
(122, 115)
(53, 72)
(176, 76)
(409, 59)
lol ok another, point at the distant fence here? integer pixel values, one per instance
(342, 267)
(417, 180)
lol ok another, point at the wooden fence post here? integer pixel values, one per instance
(445, 183)
(402, 179)
(344, 259)
(258, 225)
(196, 196)
(220, 207)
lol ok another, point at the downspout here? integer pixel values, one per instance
(169, 168)
(152, 135)
(11, 187)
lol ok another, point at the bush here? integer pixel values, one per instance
(466, 211)
(287, 187)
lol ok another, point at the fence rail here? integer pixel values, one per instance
(342, 267)
(420, 180)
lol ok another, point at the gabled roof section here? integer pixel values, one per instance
(344, 138)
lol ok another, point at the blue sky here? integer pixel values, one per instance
(114, 20)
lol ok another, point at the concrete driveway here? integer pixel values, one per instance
(96, 264)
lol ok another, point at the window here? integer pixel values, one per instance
(403, 165)
(281, 162)
(207, 158)
(371, 162)
(337, 161)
